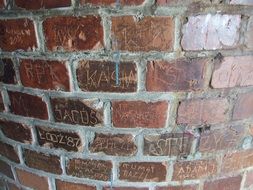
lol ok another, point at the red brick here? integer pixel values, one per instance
(9, 152)
(202, 111)
(241, 2)
(52, 138)
(186, 187)
(176, 75)
(32, 180)
(1, 103)
(130, 114)
(41, 161)
(142, 171)
(249, 179)
(28, 105)
(211, 32)
(82, 112)
(41, 4)
(1, 4)
(8, 76)
(73, 33)
(248, 35)
(148, 34)
(186, 2)
(111, 2)
(117, 145)
(101, 76)
(231, 183)
(12, 186)
(44, 74)
(226, 138)
(93, 169)
(124, 188)
(233, 72)
(237, 160)
(16, 131)
(188, 170)
(6, 169)
(63, 185)
(17, 34)
(243, 106)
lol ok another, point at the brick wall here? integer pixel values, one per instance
(126, 95)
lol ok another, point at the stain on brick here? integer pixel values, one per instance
(243, 106)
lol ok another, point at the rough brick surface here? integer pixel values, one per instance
(249, 36)
(194, 169)
(101, 76)
(241, 2)
(150, 33)
(63, 185)
(28, 105)
(40, 4)
(82, 112)
(6, 169)
(17, 34)
(130, 114)
(233, 72)
(186, 187)
(211, 32)
(243, 106)
(231, 183)
(51, 138)
(92, 169)
(117, 145)
(41, 161)
(16, 131)
(124, 188)
(249, 179)
(142, 171)
(51, 75)
(9, 152)
(73, 33)
(8, 76)
(111, 2)
(32, 180)
(202, 111)
(178, 75)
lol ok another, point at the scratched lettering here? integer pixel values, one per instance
(58, 139)
(170, 144)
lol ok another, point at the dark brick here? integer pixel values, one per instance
(9, 152)
(8, 74)
(63, 185)
(1, 103)
(6, 169)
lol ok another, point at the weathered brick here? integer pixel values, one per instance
(111, 2)
(142, 171)
(82, 112)
(63, 185)
(187, 170)
(16, 131)
(28, 105)
(93, 169)
(12, 186)
(231, 183)
(202, 111)
(185, 187)
(248, 35)
(124, 188)
(168, 144)
(41, 161)
(195, 3)
(176, 75)
(9, 152)
(101, 76)
(211, 32)
(241, 2)
(147, 34)
(17, 34)
(1, 103)
(237, 160)
(44, 74)
(249, 179)
(1, 4)
(41, 4)
(53, 138)
(8, 74)
(32, 180)
(226, 138)
(243, 106)
(117, 145)
(233, 72)
(6, 169)
(73, 33)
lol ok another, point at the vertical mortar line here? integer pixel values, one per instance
(210, 65)
(115, 166)
(34, 135)
(6, 100)
(72, 76)
(51, 183)
(106, 21)
(172, 113)
(14, 173)
(141, 75)
(20, 154)
(201, 185)
(177, 32)
(63, 164)
(75, 3)
(243, 179)
(170, 171)
(88, 137)
(46, 98)
(39, 34)
(16, 64)
(243, 29)
(107, 114)
(140, 144)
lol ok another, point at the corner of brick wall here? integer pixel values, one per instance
(126, 95)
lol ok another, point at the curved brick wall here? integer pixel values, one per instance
(126, 95)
